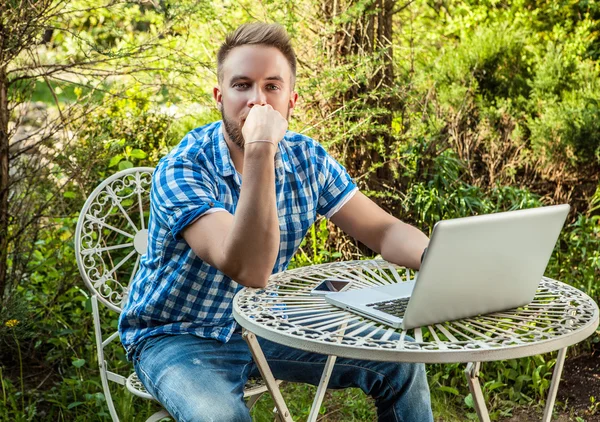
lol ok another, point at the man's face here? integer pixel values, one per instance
(253, 75)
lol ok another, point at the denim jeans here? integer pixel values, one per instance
(198, 379)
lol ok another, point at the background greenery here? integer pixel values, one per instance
(438, 109)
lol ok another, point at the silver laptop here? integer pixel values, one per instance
(473, 265)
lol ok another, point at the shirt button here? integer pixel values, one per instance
(211, 204)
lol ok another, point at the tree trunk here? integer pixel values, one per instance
(355, 32)
(366, 35)
(4, 182)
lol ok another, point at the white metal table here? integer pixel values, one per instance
(285, 312)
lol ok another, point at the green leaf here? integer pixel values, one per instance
(123, 165)
(469, 401)
(115, 160)
(74, 404)
(78, 363)
(495, 385)
(448, 390)
(69, 195)
(137, 153)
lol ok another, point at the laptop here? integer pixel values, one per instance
(473, 265)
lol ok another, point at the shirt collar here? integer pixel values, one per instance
(224, 163)
(282, 157)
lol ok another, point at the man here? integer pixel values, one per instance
(232, 202)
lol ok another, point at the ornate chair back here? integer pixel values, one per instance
(112, 234)
(110, 238)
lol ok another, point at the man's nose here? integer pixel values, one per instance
(258, 97)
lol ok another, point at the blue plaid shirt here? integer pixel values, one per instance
(174, 291)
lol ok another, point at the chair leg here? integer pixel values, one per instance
(322, 389)
(276, 416)
(472, 373)
(267, 375)
(558, 367)
(161, 414)
(101, 361)
(107, 395)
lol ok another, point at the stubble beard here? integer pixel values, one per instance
(234, 131)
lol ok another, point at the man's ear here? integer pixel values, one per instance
(218, 97)
(293, 100)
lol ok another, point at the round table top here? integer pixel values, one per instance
(285, 312)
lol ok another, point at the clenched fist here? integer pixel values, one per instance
(264, 124)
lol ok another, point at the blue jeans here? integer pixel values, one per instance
(198, 379)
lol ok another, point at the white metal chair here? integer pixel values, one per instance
(110, 237)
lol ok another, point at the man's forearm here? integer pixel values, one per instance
(252, 245)
(403, 244)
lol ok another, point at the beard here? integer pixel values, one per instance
(234, 130)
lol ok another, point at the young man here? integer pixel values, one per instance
(232, 202)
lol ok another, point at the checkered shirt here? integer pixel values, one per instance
(174, 291)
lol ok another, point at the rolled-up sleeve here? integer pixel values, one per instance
(182, 192)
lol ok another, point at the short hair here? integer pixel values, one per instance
(258, 33)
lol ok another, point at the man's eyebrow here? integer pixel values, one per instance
(274, 78)
(237, 78)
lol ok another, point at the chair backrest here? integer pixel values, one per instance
(112, 234)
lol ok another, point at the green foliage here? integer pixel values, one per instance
(315, 248)
(518, 94)
(58, 311)
(577, 259)
(491, 61)
(568, 131)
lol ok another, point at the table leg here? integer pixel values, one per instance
(316, 406)
(472, 373)
(558, 367)
(265, 372)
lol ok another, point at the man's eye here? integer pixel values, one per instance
(273, 87)
(240, 85)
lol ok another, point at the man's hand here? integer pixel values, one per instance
(264, 124)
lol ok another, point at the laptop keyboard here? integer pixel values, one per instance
(394, 307)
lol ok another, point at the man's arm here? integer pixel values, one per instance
(244, 246)
(396, 241)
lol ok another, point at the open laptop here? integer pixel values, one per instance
(473, 265)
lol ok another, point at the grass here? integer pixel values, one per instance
(445, 408)
(340, 405)
(63, 405)
(346, 405)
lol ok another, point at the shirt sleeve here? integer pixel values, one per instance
(335, 184)
(182, 192)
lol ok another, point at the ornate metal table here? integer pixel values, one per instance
(285, 312)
